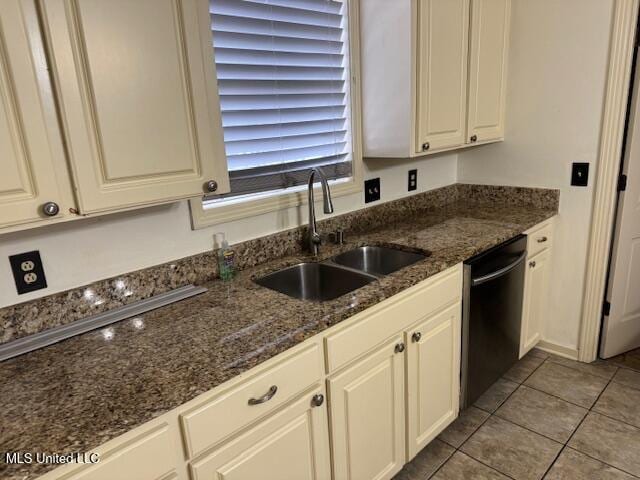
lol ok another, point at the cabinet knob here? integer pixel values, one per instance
(317, 400)
(474, 138)
(264, 398)
(542, 239)
(425, 146)
(532, 264)
(211, 186)
(416, 337)
(50, 209)
(399, 348)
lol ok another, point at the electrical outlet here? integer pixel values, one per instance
(27, 266)
(28, 272)
(371, 190)
(30, 278)
(412, 180)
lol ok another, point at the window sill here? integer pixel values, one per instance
(202, 217)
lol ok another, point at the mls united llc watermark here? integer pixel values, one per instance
(50, 458)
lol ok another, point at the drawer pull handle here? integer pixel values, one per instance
(532, 264)
(399, 348)
(416, 337)
(264, 398)
(542, 239)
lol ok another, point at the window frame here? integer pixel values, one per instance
(236, 208)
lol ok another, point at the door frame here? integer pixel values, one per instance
(617, 93)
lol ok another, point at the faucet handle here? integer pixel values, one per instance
(337, 236)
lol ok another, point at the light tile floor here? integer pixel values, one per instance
(548, 417)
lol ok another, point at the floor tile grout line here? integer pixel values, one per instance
(564, 399)
(550, 360)
(625, 384)
(471, 434)
(494, 468)
(569, 447)
(553, 462)
(442, 464)
(494, 414)
(485, 464)
(615, 419)
(566, 444)
(530, 430)
(589, 410)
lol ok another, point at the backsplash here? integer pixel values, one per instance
(62, 308)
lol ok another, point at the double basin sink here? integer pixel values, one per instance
(339, 275)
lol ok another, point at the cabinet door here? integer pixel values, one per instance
(27, 172)
(138, 99)
(433, 373)
(367, 416)
(535, 300)
(488, 69)
(290, 445)
(152, 455)
(441, 88)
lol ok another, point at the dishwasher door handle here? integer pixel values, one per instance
(498, 273)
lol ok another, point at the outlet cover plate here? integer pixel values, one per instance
(412, 180)
(28, 272)
(580, 174)
(371, 190)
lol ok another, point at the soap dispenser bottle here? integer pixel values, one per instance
(226, 257)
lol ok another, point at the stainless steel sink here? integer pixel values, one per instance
(315, 281)
(378, 260)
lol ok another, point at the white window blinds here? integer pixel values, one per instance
(283, 80)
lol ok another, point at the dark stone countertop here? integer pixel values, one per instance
(84, 391)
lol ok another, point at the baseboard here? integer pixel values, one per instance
(560, 350)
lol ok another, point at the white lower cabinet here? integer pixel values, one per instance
(535, 300)
(292, 444)
(149, 452)
(433, 377)
(536, 285)
(367, 415)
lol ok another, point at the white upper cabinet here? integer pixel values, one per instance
(442, 71)
(31, 153)
(433, 74)
(488, 68)
(138, 99)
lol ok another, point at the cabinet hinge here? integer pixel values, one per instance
(622, 183)
(606, 308)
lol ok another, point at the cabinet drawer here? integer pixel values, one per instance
(292, 444)
(229, 411)
(150, 456)
(539, 238)
(389, 317)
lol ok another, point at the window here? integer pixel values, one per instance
(283, 80)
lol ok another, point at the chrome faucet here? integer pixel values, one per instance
(314, 236)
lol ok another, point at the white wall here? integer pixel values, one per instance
(558, 63)
(83, 251)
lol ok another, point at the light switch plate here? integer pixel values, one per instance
(412, 180)
(580, 174)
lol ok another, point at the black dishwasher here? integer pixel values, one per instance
(492, 311)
